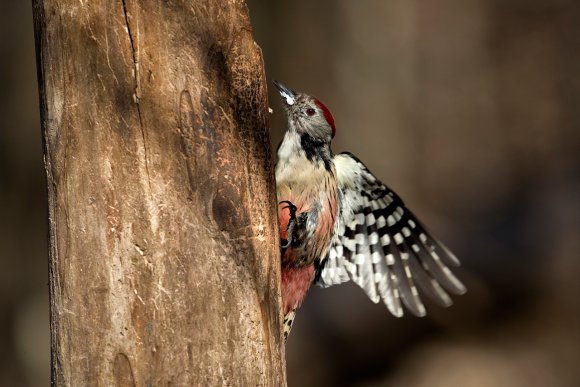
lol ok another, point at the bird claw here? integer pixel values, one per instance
(285, 245)
(291, 206)
(290, 228)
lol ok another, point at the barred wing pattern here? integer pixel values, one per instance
(381, 246)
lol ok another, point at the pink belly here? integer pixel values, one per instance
(295, 285)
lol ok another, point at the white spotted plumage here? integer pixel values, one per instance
(382, 247)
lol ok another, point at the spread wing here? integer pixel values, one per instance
(381, 246)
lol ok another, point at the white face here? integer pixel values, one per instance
(306, 114)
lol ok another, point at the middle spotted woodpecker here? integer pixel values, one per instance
(338, 222)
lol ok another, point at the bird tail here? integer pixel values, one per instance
(288, 320)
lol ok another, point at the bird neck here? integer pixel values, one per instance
(303, 147)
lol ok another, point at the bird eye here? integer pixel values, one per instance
(310, 111)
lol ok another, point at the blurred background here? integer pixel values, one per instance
(469, 109)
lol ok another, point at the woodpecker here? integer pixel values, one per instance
(338, 222)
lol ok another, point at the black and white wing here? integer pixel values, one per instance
(381, 246)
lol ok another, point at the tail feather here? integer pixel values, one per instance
(288, 320)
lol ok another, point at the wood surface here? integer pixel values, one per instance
(164, 261)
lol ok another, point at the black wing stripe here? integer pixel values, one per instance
(365, 273)
(408, 259)
(390, 254)
(406, 284)
(431, 263)
(449, 258)
(386, 244)
(348, 245)
(382, 277)
(348, 242)
(428, 284)
(422, 275)
(332, 270)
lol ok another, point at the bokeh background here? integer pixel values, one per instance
(469, 109)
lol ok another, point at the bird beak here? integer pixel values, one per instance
(288, 95)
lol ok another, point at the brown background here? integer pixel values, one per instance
(468, 109)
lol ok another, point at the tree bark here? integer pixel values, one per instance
(164, 263)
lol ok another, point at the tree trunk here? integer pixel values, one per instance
(164, 263)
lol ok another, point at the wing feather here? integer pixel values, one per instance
(381, 246)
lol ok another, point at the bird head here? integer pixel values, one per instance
(306, 114)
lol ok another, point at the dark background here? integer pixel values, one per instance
(469, 109)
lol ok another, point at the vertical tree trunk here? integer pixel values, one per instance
(163, 242)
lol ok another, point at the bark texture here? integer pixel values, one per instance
(164, 267)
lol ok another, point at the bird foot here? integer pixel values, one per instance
(291, 223)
